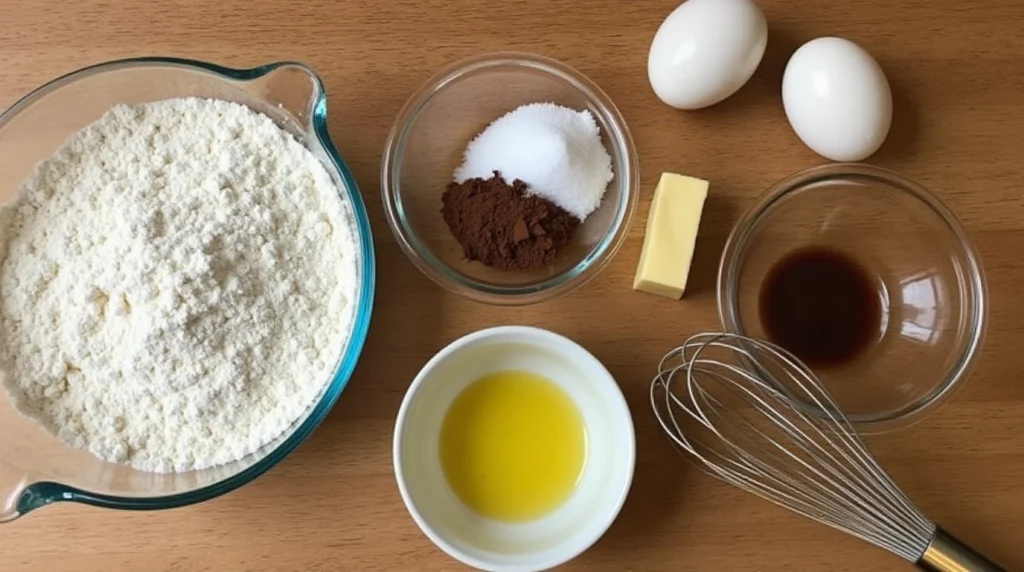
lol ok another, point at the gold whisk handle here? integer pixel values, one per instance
(947, 554)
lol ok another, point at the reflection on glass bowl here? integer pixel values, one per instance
(929, 282)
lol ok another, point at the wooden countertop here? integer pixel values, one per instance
(957, 73)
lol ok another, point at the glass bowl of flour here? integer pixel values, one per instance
(186, 281)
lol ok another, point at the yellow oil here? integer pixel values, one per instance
(513, 446)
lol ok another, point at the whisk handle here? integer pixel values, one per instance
(947, 554)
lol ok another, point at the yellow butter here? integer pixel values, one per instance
(671, 235)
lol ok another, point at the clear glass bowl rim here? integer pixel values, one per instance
(973, 284)
(42, 493)
(563, 283)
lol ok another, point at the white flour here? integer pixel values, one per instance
(178, 285)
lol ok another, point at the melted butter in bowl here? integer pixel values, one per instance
(514, 449)
(513, 446)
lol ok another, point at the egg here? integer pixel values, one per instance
(837, 99)
(705, 50)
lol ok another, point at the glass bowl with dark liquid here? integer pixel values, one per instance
(868, 279)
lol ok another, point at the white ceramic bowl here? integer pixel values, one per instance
(556, 537)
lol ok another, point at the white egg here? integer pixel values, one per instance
(837, 99)
(705, 50)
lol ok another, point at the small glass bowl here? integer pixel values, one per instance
(427, 143)
(928, 275)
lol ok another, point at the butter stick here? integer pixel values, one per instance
(671, 235)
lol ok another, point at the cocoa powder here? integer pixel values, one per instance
(503, 226)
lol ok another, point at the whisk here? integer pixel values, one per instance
(751, 414)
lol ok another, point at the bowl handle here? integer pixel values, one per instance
(13, 486)
(294, 93)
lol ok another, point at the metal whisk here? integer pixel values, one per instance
(752, 415)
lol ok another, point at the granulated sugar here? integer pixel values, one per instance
(555, 150)
(177, 285)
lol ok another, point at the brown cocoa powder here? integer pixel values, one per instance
(502, 226)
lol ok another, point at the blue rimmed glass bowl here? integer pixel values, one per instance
(35, 468)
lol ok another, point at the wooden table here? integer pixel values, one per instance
(957, 73)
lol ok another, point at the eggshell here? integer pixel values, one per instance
(837, 99)
(705, 50)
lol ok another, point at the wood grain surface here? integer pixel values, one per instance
(957, 72)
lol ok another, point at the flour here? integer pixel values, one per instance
(177, 285)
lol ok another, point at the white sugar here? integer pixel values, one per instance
(555, 150)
